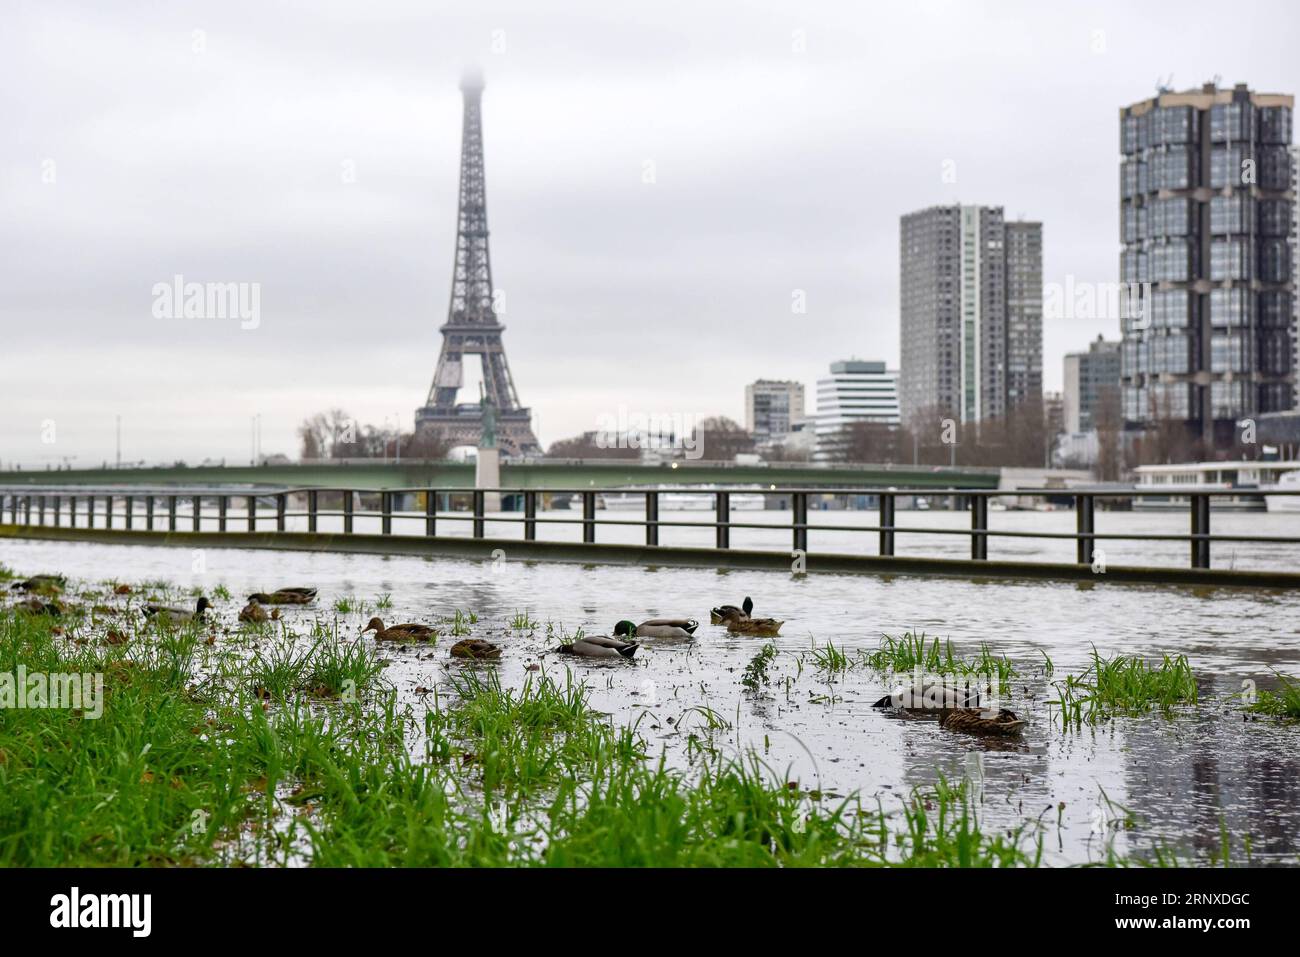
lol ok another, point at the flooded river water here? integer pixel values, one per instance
(1181, 778)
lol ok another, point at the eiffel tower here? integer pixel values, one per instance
(472, 327)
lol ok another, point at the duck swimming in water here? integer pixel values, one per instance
(475, 648)
(409, 631)
(740, 621)
(47, 583)
(177, 616)
(293, 595)
(599, 646)
(680, 628)
(976, 721)
(932, 697)
(253, 613)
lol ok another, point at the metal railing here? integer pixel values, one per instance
(155, 510)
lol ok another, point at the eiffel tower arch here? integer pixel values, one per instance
(472, 327)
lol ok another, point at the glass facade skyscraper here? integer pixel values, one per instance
(1206, 212)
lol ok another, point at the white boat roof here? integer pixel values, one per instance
(1182, 467)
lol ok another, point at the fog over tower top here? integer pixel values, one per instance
(471, 80)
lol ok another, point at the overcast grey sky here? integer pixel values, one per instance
(786, 139)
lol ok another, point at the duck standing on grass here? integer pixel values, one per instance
(178, 616)
(410, 631)
(682, 629)
(599, 646)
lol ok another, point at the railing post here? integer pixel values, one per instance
(652, 518)
(886, 524)
(223, 505)
(128, 503)
(588, 517)
(252, 513)
(1085, 525)
(530, 516)
(347, 512)
(171, 513)
(979, 526)
(386, 513)
(722, 526)
(800, 523)
(1200, 526)
(311, 511)
(196, 507)
(281, 503)
(478, 513)
(431, 513)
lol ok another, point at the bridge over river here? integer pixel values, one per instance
(538, 474)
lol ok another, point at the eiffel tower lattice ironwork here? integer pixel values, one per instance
(472, 326)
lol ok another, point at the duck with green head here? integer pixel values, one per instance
(678, 629)
(176, 616)
(599, 646)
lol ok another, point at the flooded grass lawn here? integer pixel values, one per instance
(1159, 721)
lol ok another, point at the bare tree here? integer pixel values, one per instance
(866, 441)
(721, 439)
(430, 444)
(785, 452)
(1167, 439)
(1108, 420)
(590, 445)
(313, 432)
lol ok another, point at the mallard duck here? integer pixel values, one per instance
(253, 613)
(36, 606)
(740, 622)
(679, 628)
(976, 721)
(41, 583)
(475, 648)
(931, 697)
(725, 613)
(599, 646)
(284, 596)
(176, 616)
(410, 631)
(758, 627)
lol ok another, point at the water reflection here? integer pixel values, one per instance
(1179, 778)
